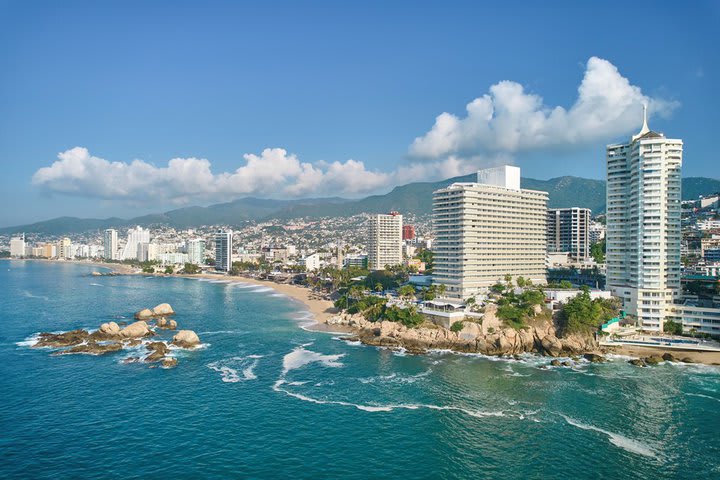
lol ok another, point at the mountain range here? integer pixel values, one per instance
(413, 198)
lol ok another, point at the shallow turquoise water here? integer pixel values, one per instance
(267, 399)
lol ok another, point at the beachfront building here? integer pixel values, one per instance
(110, 242)
(643, 225)
(568, 230)
(17, 246)
(64, 248)
(385, 243)
(223, 250)
(196, 251)
(136, 236)
(487, 229)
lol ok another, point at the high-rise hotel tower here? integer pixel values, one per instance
(486, 230)
(643, 224)
(385, 243)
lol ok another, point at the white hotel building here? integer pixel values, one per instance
(486, 230)
(643, 225)
(385, 245)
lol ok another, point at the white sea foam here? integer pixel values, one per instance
(224, 332)
(29, 341)
(616, 439)
(97, 284)
(261, 290)
(279, 295)
(28, 294)
(228, 368)
(300, 357)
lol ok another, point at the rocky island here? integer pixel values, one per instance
(110, 337)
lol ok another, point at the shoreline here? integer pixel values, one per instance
(322, 310)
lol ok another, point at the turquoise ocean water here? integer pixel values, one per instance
(264, 398)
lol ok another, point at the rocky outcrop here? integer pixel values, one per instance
(66, 339)
(110, 329)
(92, 348)
(473, 337)
(158, 350)
(169, 362)
(144, 314)
(186, 339)
(136, 330)
(164, 309)
(111, 338)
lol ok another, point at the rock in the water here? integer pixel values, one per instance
(171, 324)
(669, 357)
(653, 359)
(133, 342)
(186, 339)
(555, 363)
(92, 348)
(637, 362)
(687, 360)
(162, 322)
(594, 358)
(144, 314)
(135, 330)
(65, 339)
(169, 362)
(163, 309)
(159, 349)
(566, 364)
(110, 328)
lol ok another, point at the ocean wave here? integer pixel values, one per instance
(228, 368)
(703, 396)
(97, 284)
(261, 290)
(28, 294)
(389, 408)
(300, 357)
(621, 441)
(225, 332)
(395, 378)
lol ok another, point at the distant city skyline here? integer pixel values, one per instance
(126, 109)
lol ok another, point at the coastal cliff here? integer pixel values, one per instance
(540, 337)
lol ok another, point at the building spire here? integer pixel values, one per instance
(645, 129)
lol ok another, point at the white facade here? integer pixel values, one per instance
(17, 246)
(136, 236)
(223, 250)
(643, 225)
(110, 242)
(385, 245)
(312, 262)
(486, 231)
(196, 251)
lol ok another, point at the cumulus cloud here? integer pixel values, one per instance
(497, 126)
(274, 172)
(509, 119)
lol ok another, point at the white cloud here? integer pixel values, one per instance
(274, 172)
(500, 124)
(509, 119)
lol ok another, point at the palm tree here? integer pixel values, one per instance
(379, 287)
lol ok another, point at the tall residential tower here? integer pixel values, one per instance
(486, 230)
(223, 250)
(569, 231)
(643, 225)
(110, 242)
(385, 241)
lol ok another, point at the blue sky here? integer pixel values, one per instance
(286, 99)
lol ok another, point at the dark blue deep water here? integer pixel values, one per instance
(267, 399)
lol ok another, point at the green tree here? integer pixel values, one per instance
(191, 268)
(673, 328)
(169, 269)
(406, 292)
(597, 251)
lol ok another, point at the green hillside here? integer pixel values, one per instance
(411, 198)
